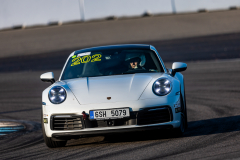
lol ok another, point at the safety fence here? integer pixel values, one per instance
(29, 13)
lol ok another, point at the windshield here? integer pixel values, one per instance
(111, 62)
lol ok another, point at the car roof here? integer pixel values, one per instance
(123, 46)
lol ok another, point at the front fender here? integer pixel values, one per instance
(180, 77)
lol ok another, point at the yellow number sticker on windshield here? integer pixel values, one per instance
(76, 61)
(96, 57)
(85, 59)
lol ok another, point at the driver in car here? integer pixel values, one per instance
(134, 63)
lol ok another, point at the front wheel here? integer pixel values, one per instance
(178, 132)
(48, 141)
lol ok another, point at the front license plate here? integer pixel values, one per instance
(109, 113)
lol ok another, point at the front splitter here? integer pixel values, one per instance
(109, 131)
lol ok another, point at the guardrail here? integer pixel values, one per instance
(28, 13)
(205, 5)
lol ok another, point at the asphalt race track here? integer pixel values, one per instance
(212, 90)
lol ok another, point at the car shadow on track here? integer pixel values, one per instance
(213, 126)
(195, 128)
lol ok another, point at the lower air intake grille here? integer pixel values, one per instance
(154, 115)
(66, 123)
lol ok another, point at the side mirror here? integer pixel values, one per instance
(178, 67)
(48, 77)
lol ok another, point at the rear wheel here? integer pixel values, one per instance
(49, 141)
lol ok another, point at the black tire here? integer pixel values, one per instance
(48, 141)
(178, 132)
(184, 110)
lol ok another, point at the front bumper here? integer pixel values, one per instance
(135, 106)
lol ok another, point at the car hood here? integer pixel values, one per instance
(109, 89)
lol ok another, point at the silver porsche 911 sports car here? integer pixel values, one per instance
(113, 89)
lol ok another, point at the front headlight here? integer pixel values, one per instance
(162, 86)
(57, 94)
